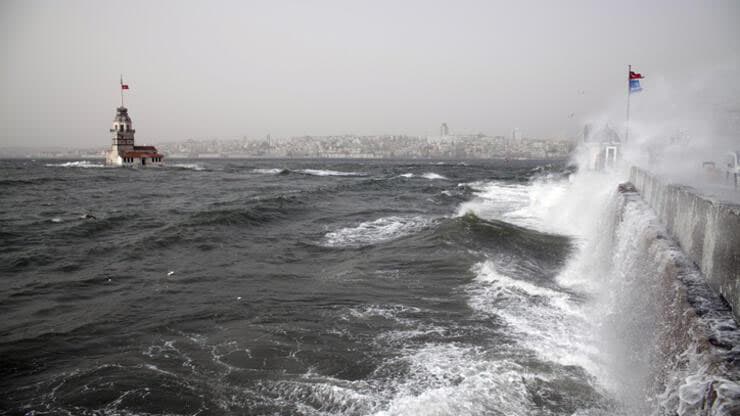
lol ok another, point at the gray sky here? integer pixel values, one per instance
(227, 69)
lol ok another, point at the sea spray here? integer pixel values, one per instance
(653, 346)
(647, 344)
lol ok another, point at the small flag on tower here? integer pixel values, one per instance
(123, 86)
(635, 78)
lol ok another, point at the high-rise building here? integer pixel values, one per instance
(444, 130)
(516, 135)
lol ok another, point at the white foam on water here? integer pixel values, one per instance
(390, 312)
(617, 323)
(325, 172)
(433, 176)
(427, 175)
(190, 166)
(452, 379)
(272, 171)
(77, 164)
(377, 231)
(564, 206)
(435, 379)
(56, 220)
(555, 322)
(547, 321)
(498, 200)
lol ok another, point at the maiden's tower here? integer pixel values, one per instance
(123, 151)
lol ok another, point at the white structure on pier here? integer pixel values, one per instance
(603, 147)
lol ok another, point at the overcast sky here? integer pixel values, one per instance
(229, 69)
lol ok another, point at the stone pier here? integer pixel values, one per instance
(707, 230)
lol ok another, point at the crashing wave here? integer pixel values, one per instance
(377, 231)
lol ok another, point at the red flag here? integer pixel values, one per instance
(124, 86)
(636, 75)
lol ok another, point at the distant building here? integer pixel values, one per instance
(123, 151)
(444, 131)
(516, 135)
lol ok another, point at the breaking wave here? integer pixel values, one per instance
(77, 164)
(377, 231)
(544, 296)
(427, 175)
(272, 171)
(325, 172)
(187, 166)
(433, 176)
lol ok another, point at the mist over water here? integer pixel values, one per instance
(681, 128)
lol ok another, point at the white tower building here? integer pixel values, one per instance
(123, 151)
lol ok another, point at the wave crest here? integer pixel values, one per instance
(326, 172)
(76, 164)
(377, 231)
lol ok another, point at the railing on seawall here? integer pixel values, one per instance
(708, 231)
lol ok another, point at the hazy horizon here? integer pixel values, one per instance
(233, 69)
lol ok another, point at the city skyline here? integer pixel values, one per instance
(478, 146)
(229, 69)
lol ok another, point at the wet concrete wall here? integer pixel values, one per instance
(707, 231)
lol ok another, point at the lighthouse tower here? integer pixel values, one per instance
(122, 133)
(123, 151)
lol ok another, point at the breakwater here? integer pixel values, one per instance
(707, 230)
(671, 342)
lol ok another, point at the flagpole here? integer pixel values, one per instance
(121, 90)
(627, 132)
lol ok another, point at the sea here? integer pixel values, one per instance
(312, 287)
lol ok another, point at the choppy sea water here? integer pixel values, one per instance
(288, 287)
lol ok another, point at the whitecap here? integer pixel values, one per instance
(190, 166)
(544, 320)
(372, 232)
(454, 379)
(272, 171)
(432, 176)
(323, 172)
(77, 164)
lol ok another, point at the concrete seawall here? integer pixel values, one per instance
(708, 231)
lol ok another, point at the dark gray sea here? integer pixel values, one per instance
(284, 287)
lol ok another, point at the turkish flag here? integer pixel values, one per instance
(635, 75)
(124, 86)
